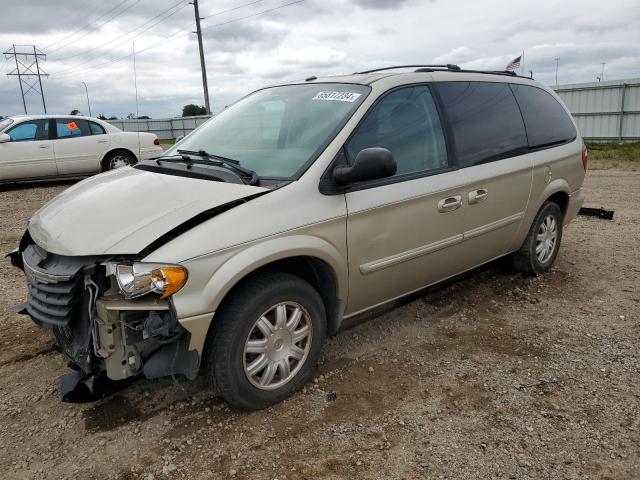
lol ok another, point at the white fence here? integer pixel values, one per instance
(605, 111)
(164, 128)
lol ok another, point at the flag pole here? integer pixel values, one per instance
(522, 63)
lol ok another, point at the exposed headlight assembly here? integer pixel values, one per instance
(140, 279)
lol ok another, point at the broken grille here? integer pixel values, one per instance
(56, 299)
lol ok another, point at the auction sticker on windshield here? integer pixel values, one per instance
(337, 96)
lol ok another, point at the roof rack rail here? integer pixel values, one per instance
(494, 72)
(448, 66)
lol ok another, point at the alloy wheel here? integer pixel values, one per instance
(546, 238)
(277, 345)
(119, 161)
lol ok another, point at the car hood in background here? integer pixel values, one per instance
(123, 211)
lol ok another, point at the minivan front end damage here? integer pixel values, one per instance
(102, 333)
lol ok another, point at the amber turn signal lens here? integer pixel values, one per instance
(173, 277)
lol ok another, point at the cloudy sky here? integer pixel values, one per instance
(249, 44)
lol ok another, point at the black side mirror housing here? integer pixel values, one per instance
(370, 164)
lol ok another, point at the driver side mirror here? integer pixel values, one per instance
(4, 138)
(370, 164)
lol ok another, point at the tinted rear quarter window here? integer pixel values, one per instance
(96, 129)
(546, 120)
(485, 121)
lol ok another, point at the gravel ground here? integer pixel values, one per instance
(495, 376)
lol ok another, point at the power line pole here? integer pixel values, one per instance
(198, 32)
(557, 61)
(135, 77)
(28, 66)
(87, 92)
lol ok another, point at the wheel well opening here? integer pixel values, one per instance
(115, 150)
(561, 199)
(314, 271)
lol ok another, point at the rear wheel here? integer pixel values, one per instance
(540, 249)
(117, 159)
(266, 340)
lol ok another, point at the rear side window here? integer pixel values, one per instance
(546, 121)
(96, 129)
(485, 121)
(405, 122)
(71, 128)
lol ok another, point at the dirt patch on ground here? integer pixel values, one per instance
(495, 376)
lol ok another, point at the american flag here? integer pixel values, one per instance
(515, 63)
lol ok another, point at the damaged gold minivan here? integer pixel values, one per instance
(240, 249)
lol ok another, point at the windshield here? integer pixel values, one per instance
(4, 123)
(278, 130)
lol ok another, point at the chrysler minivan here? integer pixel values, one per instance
(240, 249)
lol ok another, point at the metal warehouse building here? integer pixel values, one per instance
(605, 111)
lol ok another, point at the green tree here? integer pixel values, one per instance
(112, 117)
(101, 117)
(144, 117)
(192, 110)
(75, 112)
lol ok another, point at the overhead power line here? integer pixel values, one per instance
(75, 70)
(232, 9)
(164, 14)
(189, 26)
(97, 27)
(85, 26)
(252, 15)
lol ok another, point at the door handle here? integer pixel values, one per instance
(449, 204)
(102, 141)
(478, 196)
(43, 146)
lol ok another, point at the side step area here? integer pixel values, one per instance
(78, 387)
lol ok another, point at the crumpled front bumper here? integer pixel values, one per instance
(100, 332)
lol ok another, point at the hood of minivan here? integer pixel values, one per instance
(123, 211)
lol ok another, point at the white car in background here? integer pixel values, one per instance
(36, 147)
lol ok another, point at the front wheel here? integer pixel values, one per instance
(540, 249)
(266, 340)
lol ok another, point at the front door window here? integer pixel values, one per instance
(30, 131)
(405, 122)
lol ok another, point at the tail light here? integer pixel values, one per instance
(584, 158)
(157, 142)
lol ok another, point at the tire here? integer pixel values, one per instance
(118, 159)
(234, 373)
(526, 259)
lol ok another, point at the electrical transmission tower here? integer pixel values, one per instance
(28, 71)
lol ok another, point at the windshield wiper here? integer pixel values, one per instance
(232, 164)
(170, 158)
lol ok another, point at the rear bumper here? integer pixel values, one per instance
(576, 199)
